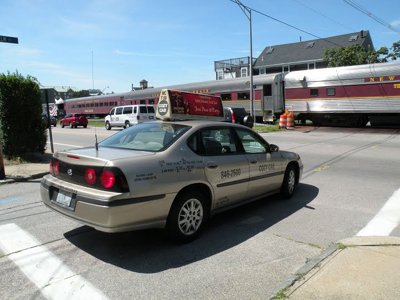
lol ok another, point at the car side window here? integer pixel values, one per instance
(218, 141)
(127, 110)
(112, 111)
(118, 111)
(135, 110)
(251, 142)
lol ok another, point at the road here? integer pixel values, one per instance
(246, 253)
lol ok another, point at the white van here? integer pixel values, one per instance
(127, 115)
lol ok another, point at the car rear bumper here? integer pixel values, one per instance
(108, 212)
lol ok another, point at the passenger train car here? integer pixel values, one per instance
(344, 96)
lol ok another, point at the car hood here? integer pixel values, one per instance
(100, 157)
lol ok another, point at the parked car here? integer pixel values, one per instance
(45, 120)
(238, 115)
(74, 120)
(167, 174)
(127, 115)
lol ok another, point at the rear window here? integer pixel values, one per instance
(150, 109)
(153, 137)
(143, 110)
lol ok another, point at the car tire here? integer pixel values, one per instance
(84, 126)
(70, 125)
(127, 124)
(289, 182)
(62, 125)
(187, 217)
(108, 126)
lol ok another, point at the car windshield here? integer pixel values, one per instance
(152, 137)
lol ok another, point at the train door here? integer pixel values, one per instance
(272, 99)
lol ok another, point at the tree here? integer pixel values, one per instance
(357, 55)
(21, 127)
(395, 51)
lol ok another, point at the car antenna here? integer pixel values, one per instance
(96, 144)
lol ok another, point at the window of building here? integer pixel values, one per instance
(311, 66)
(262, 71)
(269, 50)
(243, 72)
(310, 44)
(226, 97)
(314, 92)
(220, 74)
(353, 38)
(244, 96)
(331, 91)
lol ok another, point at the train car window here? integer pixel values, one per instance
(225, 97)
(91, 104)
(243, 96)
(101, 104)
(142, 101)
(314, 92)
(87, 104)
(118, 111)
(151, 101)
(331, 91)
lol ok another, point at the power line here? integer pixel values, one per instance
(323, 15)
(369, 14)
(287, 24)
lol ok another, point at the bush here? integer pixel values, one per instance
(21, 127)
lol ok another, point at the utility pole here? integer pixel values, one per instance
(247, 11)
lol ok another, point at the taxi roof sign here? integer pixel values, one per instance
(177, 105)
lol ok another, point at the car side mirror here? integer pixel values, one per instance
(248, 121)
(273, 148)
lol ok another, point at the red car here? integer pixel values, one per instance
(74, 120)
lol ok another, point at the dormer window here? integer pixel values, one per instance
(310, 44)
(269, 50)
(353, 38)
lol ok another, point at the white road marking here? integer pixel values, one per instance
(68, 145)
(387, 219)
(45, 270)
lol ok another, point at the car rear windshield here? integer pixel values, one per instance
(152, 137)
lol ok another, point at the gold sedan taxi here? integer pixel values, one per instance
(167, 174)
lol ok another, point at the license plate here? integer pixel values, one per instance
(64, 198)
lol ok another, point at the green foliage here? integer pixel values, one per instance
(357, 55)
(21, 127)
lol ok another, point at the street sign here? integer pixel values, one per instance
(8, 39)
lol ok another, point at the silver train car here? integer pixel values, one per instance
(343, 96)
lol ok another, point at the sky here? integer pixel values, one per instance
(111, 45)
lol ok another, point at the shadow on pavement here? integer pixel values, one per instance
(149, 251)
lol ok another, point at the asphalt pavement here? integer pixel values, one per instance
(355, 268)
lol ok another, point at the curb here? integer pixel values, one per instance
(13, 179)
(289, 285)
(304, 270)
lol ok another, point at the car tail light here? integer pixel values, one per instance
(233, 117)
(107, 179)
(54, 167)
(90, 176)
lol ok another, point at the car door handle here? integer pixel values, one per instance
(212, 165)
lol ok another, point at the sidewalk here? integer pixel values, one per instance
(355, 268)
(18, 172)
